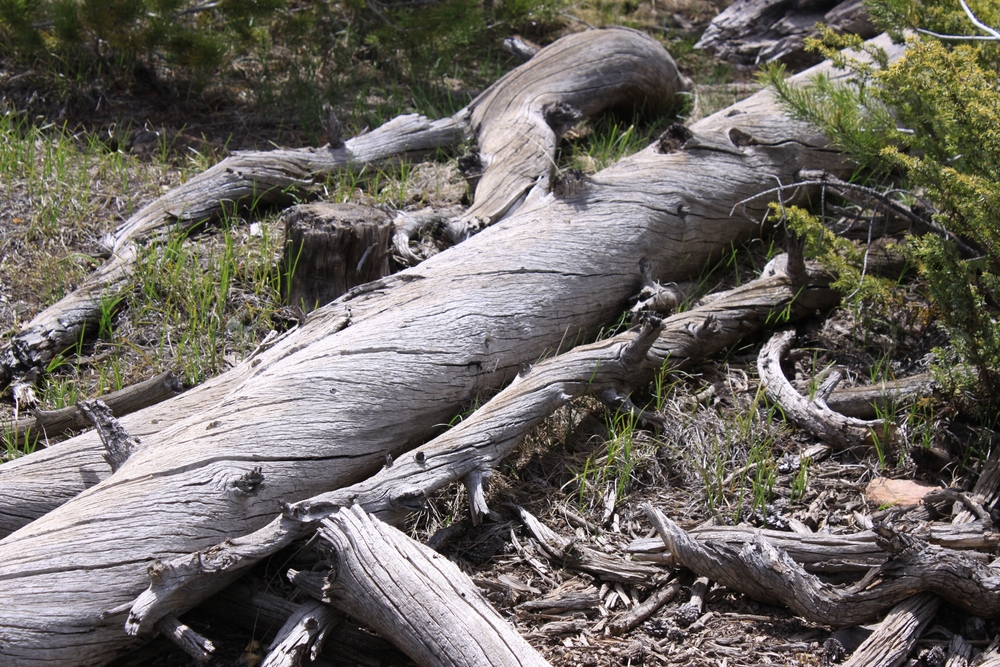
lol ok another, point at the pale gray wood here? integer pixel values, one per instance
(260, 613)
(959, 651)
(118, 444)
(267, 177)
(482, 440)
(896, 636)
(416, 597)
(812, 415)
(690, 612)
(186, 639)
(565, 553)
(824, 552)
(866, 402)
(631, 618)
(764, 573)
(586, 72)
(323, 406)
(986, 492)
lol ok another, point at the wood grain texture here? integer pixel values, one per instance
(897, 634)
(322, 407)
(759, 570)
(416, 597)
(588, 72)
(472, 448)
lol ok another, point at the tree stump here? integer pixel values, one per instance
(330, 248)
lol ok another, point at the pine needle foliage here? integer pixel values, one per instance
(931, 120)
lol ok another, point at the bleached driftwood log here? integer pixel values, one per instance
(471, 449)
(517, 123)
(579, 76)
(377, 371)
(302, 635)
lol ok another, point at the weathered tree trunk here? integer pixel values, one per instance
(581, 74)
(377, 371)
(470, 450)
(517, 123)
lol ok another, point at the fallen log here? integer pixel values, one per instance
(609, 67)
(884, 398)
(324, 406)
(517, 123)
(47, 424)
(764, 573)
(472, 448)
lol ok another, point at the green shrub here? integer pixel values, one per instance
(932, 120)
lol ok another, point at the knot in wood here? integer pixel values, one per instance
(740, 138)
(561, 116)
(569, 183)
(673, 139)
(471, 165)
(409, 500)
(248, 484)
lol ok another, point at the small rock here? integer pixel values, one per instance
(886, 492)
